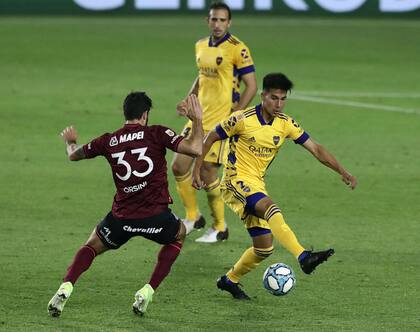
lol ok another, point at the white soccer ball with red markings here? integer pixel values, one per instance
(279, 279)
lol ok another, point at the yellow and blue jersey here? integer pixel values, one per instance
(220, 67)
(253, 143)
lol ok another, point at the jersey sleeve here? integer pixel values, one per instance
(231, 126)
(243, 60)
(96, 147)
(168, 138)
(296, 132)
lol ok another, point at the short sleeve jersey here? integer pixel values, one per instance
(136, 155)
(220, 67)
(253, 143)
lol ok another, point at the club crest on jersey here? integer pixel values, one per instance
(276, 139)
(244, 54)
(113, 141)
(219, 60)
(232, 121)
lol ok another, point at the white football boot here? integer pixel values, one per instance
(56, 304)
(212, 236)
(194, 225)
(142, 299)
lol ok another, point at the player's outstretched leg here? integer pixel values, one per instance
(309, 260)
(142, 298)
(58, 301)
(227, 285)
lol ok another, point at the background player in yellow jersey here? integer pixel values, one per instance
(256, 135)
(223, 61)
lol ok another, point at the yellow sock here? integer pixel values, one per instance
(217, 208)
(250, 259)
(187, 194)
(282, 232)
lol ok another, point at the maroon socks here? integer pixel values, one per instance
(166, 258)
(82, 261)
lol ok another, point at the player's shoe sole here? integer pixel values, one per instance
(58, 301)
(142, 298)
(313, 259)
(232, 288)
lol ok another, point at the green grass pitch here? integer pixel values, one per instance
(357, 92)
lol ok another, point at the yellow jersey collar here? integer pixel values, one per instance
(221, 40)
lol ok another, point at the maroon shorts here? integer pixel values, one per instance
(162, 228)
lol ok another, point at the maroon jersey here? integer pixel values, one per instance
(136, 155)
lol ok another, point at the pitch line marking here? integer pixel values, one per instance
(361, 94)
(357, 104)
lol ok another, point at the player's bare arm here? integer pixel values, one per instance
(209, 140)
(325, 157)
(249, 92)
(193, 145)
(74, 152)
(181, 107)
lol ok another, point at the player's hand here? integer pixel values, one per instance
(197, 183)
(194, 112)
(181, 108)
(349, 180)
(69, 135)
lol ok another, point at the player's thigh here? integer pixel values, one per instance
(209, 172)
(262, 206)
(263, 241)
(181, 164)
(164, 228)
(111, 233)
(96, 243)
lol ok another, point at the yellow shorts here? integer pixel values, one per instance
(217, 153)
(241, 195)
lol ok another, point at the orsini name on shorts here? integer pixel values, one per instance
(149, 230)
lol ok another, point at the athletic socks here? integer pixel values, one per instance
(282, 231)
(216, 205)
(81, 262)
(188, 196)
(166, 257)
(249, 260)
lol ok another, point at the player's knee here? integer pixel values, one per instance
(209, 172)
(264, 252)
(262, 206)
(96, 244)
(181, 233)
(178, 169)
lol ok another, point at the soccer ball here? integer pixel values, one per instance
(279, 279)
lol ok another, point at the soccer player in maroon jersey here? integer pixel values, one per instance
(136, 154)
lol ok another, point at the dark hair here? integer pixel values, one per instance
(220, 5)
(135, 104)
(277, 81)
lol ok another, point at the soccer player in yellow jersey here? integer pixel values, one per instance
(223, 62)
(255, 135)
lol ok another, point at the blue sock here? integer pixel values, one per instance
(303, 255)
(228, 280)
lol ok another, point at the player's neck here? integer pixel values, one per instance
(141, 122)
(266, 116)
(214, 39)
